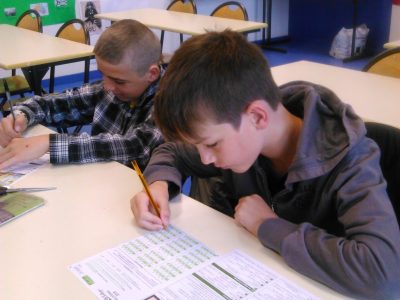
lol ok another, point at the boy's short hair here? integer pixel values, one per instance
(129, 41)
(212, 77)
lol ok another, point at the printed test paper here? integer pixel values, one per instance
(171, 265)
(134, 269)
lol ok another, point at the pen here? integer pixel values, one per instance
(8, 98)
(146, 187)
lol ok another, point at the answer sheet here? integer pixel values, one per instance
(171, 265)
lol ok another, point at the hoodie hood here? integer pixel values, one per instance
(330, 130)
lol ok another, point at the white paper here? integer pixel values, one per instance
(232, 276)
(13, 173)
(171, 265)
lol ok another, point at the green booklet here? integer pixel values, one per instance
(13, 205)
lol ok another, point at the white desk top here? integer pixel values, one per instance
(25, 48)
(90, 212)
(391, 45)
(373, 97)
(181, 22)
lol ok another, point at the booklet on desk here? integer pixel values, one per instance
(14, 205)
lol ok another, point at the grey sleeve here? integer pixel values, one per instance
(365, 261)
(174, 162)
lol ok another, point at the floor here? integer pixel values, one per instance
(315, 50)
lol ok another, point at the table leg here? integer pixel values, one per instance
(266, 41)
(34, 76)
(353, 55)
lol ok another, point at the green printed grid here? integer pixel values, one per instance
(178, 253)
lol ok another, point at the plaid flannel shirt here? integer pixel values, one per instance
(119, 132)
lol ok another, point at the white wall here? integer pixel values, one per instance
(395, 24)
(171, 40)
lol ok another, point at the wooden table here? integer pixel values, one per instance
(90, 212)
(32, 50)
(191, 24)
(392, 45)
(373, 97)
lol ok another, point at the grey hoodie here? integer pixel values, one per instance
(336, 224)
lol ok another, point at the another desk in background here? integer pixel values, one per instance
(23, 48)
(392, 45)
(373, 97)
(185, 23)
(90, 212)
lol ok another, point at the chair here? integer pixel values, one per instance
(386, 63)
(186, 6)
(30, 20)
(388, 140)
(231, 10)
(73, 30)
(17, 84)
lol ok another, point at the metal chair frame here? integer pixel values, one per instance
(30, 20)
(81, 35)
(27, 15)
(68, 27)
(231, 14)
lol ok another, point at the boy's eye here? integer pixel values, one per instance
(212, 145)
(119, 82)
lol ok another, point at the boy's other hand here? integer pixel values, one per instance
(252, 211)
(143, 211)
(21, 150)
(10, 129)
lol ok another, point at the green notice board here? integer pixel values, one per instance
(52, 11)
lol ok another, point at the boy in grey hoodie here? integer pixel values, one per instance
(294, 164)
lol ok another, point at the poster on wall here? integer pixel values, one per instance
(88, 9)
(51, 11)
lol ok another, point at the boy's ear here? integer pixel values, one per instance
(153, 73)
(258, 113)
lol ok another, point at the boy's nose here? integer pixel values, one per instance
(206, 156)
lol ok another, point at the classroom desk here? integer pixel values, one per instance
(392, 45)
(90, 212)
(32, 50)
(373, 97)
(191, 24)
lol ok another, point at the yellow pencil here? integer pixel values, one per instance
(146, 187)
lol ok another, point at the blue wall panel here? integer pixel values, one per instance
(322, 19)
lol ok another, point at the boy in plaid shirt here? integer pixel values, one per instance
(119, 107)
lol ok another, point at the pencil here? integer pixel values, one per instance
(146, 187)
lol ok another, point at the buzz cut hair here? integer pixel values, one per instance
(131, 42)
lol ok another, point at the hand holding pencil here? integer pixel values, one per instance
(11, 128)
(157, 200)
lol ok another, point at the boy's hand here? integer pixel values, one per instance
(252, 211)
(10, 129)
(21, 150)
(143, 211)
